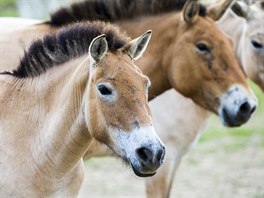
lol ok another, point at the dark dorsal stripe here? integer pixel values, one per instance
(70, 42)
(114, 10)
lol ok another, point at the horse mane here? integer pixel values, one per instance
(70, 42)
(115, 10)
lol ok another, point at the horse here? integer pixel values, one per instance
(174, 129)
(184, 56)
(248, 37)
(215, 66)
(70, 88)
(178, 135)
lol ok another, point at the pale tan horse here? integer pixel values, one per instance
(184, 56)
(180, 129)
(244, 23)
(67, 91)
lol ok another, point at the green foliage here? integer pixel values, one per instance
(8, 8)
(7, 2)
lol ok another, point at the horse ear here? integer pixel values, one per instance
(240, 9)
(217, 10)
(137, 47)
(98, 48)
(191, 11)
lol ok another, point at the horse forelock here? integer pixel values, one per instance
(115, 10)
(70, 42)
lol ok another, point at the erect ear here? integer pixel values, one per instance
(241, 9)
(98, 48)
(137, 47)
(217, 10)
(191, 11)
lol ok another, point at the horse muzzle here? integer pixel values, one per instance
(237, 107)
(147, 160)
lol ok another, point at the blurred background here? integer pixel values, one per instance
(35, 9)
(226, 163)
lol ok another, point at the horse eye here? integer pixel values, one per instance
(202, 47)
(104, 90)
(256, 44)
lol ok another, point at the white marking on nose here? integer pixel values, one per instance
(232, 101)
(235, 94)
(129, 142)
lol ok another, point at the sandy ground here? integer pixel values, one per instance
(220, 168)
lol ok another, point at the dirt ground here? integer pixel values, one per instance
(220, 168)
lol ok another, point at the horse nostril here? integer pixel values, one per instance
(253, 109)
(245, 108)
(144, 154)
(150, 158)
(160, 155)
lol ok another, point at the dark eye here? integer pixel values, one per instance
(256, 44)
(202, 47)
(104, 90)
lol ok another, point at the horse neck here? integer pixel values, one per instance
(69, 137)
(153, 64)
(61, 137)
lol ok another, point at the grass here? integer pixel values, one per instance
(8, 8)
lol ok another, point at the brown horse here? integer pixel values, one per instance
(176, 131)
(248, 37)
(68, 90)
(183, 56)
(215, 73)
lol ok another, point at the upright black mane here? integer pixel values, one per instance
(70, 42)
(114, 10)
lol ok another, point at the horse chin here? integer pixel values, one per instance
(141, 174)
